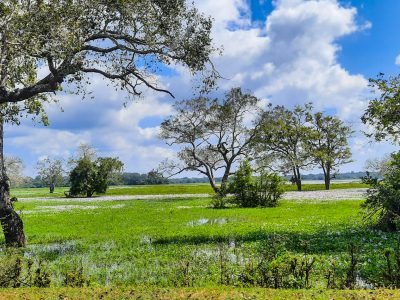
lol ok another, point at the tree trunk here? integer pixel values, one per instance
(297, 178)
(52, 187)
(13, 227)
(328, 179)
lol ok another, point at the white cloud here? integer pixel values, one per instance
(290, 59)
(397, 61)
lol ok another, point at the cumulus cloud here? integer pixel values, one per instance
(290, 58)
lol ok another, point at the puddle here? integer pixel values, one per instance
(204, 221)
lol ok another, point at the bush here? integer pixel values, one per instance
(383, 198)
(219, 201)
(264, 190)
(89, 177)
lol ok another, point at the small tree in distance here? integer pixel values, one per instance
(328, 144)
(14, 167)
(93, 176)
(51, 172)
(283, 137)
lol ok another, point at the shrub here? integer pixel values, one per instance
(264, 190)
(383, 198)
(269, 189)
(89, 177)
(219, 201)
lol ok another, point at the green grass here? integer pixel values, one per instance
(165, 189)
(144, 242)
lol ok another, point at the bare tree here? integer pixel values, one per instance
(214, 133)
(51, 172)
(14, 166)
(381, 166)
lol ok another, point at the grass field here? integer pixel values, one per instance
(153, 248)
(166, 189)
(143, 242)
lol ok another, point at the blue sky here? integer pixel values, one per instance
(285, 51)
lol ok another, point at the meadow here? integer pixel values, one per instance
(180, 247)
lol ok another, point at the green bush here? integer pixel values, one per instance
(219, 201)
(383, 198)
(89, 177)
(264, 190)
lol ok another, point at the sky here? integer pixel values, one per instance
(286, 52)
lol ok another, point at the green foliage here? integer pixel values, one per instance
(282, 138)
(219, 201)
(243, 186)
(76, 277)
(383, 111)
(155, 177)
(328, 144)
(264, 191)
(383, 198)
(19, 271)
(89, 177)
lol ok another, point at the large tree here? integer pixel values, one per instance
(283, 138)
(328, 144)
(124, 41)
(214, 135)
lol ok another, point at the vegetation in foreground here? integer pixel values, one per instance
(191, 293)
(183, 243)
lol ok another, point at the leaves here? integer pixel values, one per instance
(383, 112)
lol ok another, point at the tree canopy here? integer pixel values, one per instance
(125, 41)
(383, 111)
(214, 134)
(282, 139)
(328, 144)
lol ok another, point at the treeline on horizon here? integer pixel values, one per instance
(134, 178)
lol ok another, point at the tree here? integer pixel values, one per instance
(14, 167)
(125, 42)
(383, 198)
(383, 112)
(328, 144)
(283, 136)
(213, 133)
(155, 177)
(51, 172)
(379, 166)
(89, 177)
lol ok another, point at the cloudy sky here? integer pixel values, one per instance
(286, 51)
